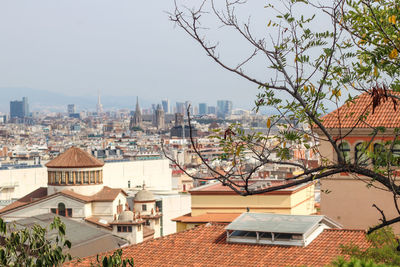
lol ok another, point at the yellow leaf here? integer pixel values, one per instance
(284, 144)
(269, 123)
(238, 152)
(392, 19)
(376, 73)
(393, 54)
(305, 88)
(269, 24)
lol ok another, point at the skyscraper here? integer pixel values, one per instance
(71, 109)
(180, 108)
(165, 105)
(19, 109)
(224, 108)
(203, 109)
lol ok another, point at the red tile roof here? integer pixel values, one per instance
(107, 194)
(208, 217)
(206, 246)
(348, 115)
(36, 195)
(75, 158)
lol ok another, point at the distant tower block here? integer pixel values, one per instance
(99, 105)
(136, 120)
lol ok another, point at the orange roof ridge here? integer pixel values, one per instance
(347, 116)
(74, 157)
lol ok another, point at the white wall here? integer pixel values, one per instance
(25, 181)
(155, 173)
(174, 206)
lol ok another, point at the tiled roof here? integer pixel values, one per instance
(75, 158)
(38, 194)
(208, 217)
(106, 194)
(206, 246)
(347, 116)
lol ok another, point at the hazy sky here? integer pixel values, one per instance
(121, 47)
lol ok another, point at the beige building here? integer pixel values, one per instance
(350, 198)
(217, 203)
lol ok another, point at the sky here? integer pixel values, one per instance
(121, 48)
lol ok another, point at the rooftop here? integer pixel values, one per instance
(75, 158)
(208, 217)
(219, 188)
(211, 249)
(347, 116)
(275, 223)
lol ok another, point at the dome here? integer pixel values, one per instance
(144, 195)
(125, 216)
(75, 158)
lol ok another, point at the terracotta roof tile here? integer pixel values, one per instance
(107, 194)
(348, 115)
(75, 158)
(206, 246)
(208, 217)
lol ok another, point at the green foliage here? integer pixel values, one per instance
(113, 260)
(374, 27)
(383, 248)
(357, 263)
(32, 246)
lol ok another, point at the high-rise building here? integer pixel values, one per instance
(203, 109)
(179, 119)
(224, 108)
(180, 108)
(212, 110)
(71, 109)
(165, 106)
(19, 109)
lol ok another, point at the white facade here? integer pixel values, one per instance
(16, 183)
(156, 174)
(173, 206)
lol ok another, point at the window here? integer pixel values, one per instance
(78, 179)
(57, 181)
(62, 177)
(119, 229)
(70, 177)
(144, 207)
(147, 222)
(61, 209)
(360, 154)
(379, 158)
(396, 155)
(54, 211)
(130, 229)
(92, 181)
(139, 227)
(69, 212)
(129, 184)
(85, 178)
(345, 150)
